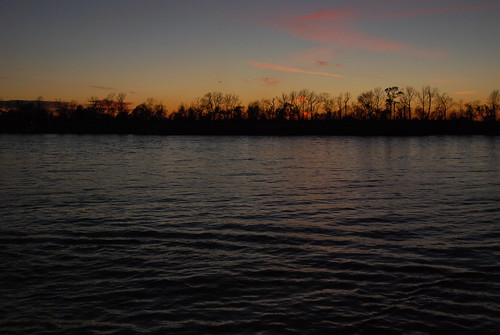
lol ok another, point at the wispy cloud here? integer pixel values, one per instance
(431, 11)
(102, 87)
(265, 81)
(322, 52)
(291, 69)
(322, 63)
(268, 81)
(339, 28)
(465, 92)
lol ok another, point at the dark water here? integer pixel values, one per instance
(242, 235)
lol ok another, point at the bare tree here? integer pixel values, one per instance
(406, 99)
(343, 104)
(285, 105)
(472, 110)
(378, 100)
(121, 105)
(459, 112)
(96, 106)
(211, 102)
(310, 102)
(328, 105)
(365, 108)
(231, 106)
(370, 104)
(443, 104)
(425, 97)
(493, 105)
(109, 105)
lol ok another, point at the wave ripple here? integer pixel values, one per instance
(190, 235)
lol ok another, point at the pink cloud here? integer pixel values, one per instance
(321, 63)
(337, 28)
(264, 81)
(325, 63)
(291, 69)
(431, 11)
(267, 81)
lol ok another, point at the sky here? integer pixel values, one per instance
(177, 50)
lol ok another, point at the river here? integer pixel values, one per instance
(107, 234)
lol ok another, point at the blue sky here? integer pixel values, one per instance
(175, 51)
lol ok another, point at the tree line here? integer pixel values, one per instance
(114, 114)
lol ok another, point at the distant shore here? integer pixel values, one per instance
(373, 113)
(264, 128)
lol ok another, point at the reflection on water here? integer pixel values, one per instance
(114, 234)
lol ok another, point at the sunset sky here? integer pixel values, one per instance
(177, 50)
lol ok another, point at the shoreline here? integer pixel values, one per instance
(266, 128)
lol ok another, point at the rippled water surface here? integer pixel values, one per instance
(246, 235)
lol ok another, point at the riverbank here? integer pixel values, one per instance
(266, 128)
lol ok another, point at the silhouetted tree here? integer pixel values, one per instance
(443, 104)
(425, 97)
(370, 104)
(148, 110)
(493, 102)
(393, 94)
(309, 103)
(95, 107)
(231, 107)
(472, 110)
(111, 114)
(343, 104)
(365, 108)
(121, 105)
(406, 99)
(328, 105)
(211, 103)
(109, 106)
(378, 100)
(254, 111)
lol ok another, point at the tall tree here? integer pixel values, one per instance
(343, 104)
(328, 105)
(211, 102)
(406, 99)
(365, 108)
(493, 105)
(425, 97)
(121, 105)
(393, 94)
(443, 104)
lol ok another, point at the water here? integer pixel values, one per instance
(249, 235)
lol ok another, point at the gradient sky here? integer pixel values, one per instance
(175, 51)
